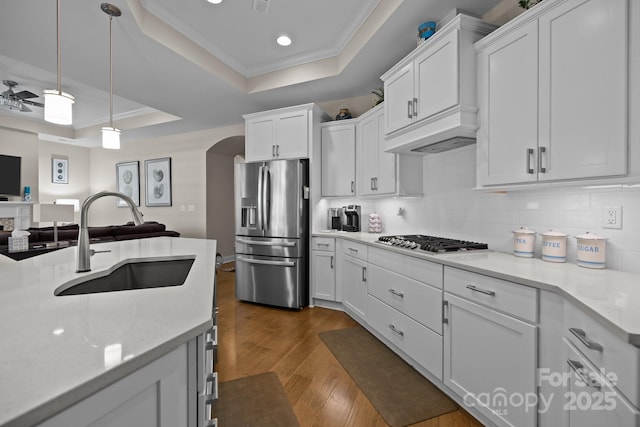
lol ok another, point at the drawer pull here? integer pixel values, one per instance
(396, 330)
(396, 293)
(445, 310)
(211, 389)
(579, 369)
(322, 244)
(582, 336)
(482, 291)
(212, 336)
(353, 250)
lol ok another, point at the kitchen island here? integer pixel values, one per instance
(59, 350)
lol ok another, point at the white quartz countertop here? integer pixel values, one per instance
(57, 350)
(611, 297)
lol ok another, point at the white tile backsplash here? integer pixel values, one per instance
(451, 208)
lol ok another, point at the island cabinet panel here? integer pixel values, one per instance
(154, 396)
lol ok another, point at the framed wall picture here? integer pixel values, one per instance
(59, 171)
(158, 182)
(128, 182)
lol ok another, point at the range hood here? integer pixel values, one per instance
(446, 145)
(451, 129)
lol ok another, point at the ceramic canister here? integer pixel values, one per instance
(554, 246)
(524, 242)
(591, 250)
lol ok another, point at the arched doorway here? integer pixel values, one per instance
(220, 206)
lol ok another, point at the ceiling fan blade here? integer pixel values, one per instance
(25, 94)
(37, 104)
(25, 109)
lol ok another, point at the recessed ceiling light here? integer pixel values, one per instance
(283, 40)
(215, 1)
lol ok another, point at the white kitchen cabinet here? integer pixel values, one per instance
(548, 110)
(172, 390)
(338, 159)
(489, 355)
(590, 399)
(352, 275)
(323, 269)
(286, 133)
(430, 94)
(405, 306)
(380, 172)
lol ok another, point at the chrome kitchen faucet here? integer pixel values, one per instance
(83, 261)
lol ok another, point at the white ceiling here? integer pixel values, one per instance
(187, 65)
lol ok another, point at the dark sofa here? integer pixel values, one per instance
(107, 233)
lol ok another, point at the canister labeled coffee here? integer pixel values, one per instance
(554, 246)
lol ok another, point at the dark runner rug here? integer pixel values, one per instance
(254, 401)
(398, 392)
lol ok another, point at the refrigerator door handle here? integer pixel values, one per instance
(263, 243)
(266, 193)
(266, 262)
(260, 199)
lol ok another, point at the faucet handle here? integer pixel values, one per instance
(93, 251)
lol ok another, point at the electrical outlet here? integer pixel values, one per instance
(612, 217)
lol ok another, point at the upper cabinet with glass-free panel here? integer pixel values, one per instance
(553, 92)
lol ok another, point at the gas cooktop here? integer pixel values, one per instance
(436, 245)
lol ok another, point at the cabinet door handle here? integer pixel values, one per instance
(353, 190)
(396, 293)
(482, 291)
(415, 107)
(396, 330)
(579, 369)
(409, 106)
(364, 274)
(445, 311)
(273, 151)
(373, 187)
(331, 261)
(582, 336)
(541, 151)
(529, 154)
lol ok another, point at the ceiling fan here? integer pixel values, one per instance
(17, 101)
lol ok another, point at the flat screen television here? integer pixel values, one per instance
(10, 175)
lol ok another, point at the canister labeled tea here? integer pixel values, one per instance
(591, 250)
(554, 246)
(524, 242)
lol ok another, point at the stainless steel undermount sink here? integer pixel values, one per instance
(131, 274)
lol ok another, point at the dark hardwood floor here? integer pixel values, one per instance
(255, 339)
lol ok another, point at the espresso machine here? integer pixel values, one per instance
(334, 219)
(351, 218)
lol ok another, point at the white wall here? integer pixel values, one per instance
(188, 213)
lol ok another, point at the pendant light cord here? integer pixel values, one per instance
(58, 45)
(110, 72)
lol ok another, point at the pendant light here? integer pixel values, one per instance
(58, 104)
(110, 135)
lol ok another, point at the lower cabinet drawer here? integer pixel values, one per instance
(421, 302)
(511, 298)
(619, 359)
(417, 341)
(590, 399)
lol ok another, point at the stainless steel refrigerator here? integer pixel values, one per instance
(272, 232)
